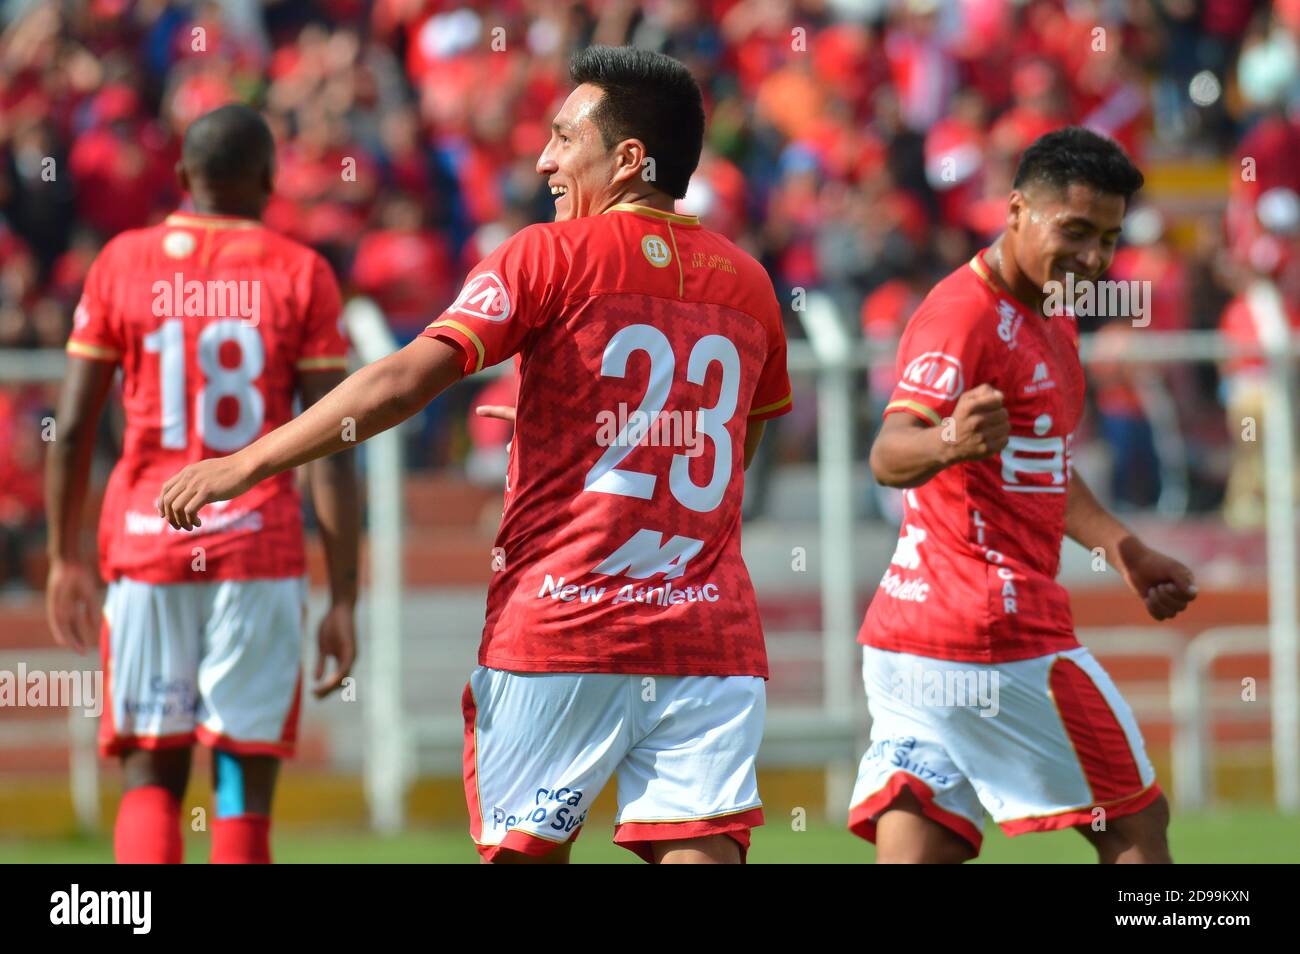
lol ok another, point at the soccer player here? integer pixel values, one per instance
(980, 695)
(622, 632)
(215, 323)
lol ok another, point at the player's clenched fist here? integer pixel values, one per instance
(199, 484)
(979, 426)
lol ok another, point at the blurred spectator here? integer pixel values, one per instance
(864, 147)
(1250, 319)
(404, 267)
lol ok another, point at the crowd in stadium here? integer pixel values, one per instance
(863, 147)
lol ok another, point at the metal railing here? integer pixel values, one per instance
(835, 359)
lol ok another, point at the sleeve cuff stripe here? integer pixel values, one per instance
(474, 339)
(771, 407)
(83, 350)
(916, 408)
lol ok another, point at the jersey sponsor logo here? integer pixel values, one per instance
(645, 554)
(997, 558)
(915, 590)
(216, 519)
(1036, 464)
(934, 374)
(656, 251)
(1042, 381)
(665, 595)
(1009, 321)
(484, 296)
(908, 553)
(558, 810)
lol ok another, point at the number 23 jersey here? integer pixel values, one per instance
(212, 320)
(973, 577)
(646, 344)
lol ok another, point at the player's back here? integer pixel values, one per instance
(646, 343)
(212, 318)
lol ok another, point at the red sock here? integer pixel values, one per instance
(241, 840)
(148, 828)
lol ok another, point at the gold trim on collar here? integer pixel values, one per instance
(196, 221)
(677, 217)
(979, 268)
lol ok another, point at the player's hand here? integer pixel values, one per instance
(336, 639)
(980, 426)
(72, 605)
(1164, 584)
(502, 412)
(199, 484)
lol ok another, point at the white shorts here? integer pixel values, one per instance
(539, 747)
(1039, 744)
(217, 663)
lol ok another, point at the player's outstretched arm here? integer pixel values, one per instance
(334, 495)
(1164, 584)
(374, 399)
(70, 591)
(909, 451)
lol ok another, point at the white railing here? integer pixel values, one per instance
(389, 746)
(834, 358)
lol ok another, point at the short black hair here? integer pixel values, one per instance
(651, 97)
(230, 145)
(1074, 154)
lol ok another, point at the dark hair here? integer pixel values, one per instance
(651, 97)
(229, 145)
(1074, 154)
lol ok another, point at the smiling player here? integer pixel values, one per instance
(979, 427)
(622, 632)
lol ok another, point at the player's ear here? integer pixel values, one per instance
(630, 156)
(1015, 209)
(182, 179)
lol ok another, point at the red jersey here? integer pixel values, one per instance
(647, 343)
(212, 320)
(974, 575)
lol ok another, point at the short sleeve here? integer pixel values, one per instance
(772, 396)
(324, 342)
(96, 332)
(509, 294)
(939, 357)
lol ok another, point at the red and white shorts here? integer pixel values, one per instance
(217, 663)
(1039, 744)
(539, 747)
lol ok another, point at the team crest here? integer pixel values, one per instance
(484, 296)
(656, 251)
(178, 244)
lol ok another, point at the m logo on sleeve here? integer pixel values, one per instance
(934, 374)
(484, 296)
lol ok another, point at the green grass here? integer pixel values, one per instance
(1242, 835)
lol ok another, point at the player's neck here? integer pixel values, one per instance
(234, 204)
(227, 211)
(1008, 274)
(651, 199)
